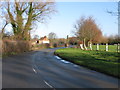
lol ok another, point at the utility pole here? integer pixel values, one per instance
(119, 18)
(118, 45)
(67, 41)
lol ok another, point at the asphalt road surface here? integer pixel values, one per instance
(41, 69)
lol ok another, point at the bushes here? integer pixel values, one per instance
(13, 47)
(40, 46)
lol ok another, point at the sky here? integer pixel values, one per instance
(62, 22)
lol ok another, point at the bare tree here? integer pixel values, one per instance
(73, 40)
(87, 30)
(5, 22)
(79, 30)
(2, 30)
(116, 13)
(52, 37)
(36, 37)
(23, 15)
(119, 18)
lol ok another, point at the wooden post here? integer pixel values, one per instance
(106, 47)
(90, 46)
(67, 43)
(118, 47)
(97, 46)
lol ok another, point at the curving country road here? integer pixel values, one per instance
(41, 69)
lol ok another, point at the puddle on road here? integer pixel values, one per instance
(66, 62)
(57, 57)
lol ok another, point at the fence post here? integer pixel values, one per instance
(118, 47)
(106, 46)
(97, 46)
(90, 46)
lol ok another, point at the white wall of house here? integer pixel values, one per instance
(46, 42)
(43, 42)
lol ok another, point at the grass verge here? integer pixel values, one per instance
(102, 61)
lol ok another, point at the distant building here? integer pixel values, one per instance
(43, 40)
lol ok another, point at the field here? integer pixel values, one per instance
(102, 61)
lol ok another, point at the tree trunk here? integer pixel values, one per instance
(81, 46)
(4, 27)
(28, 23)
(84, 45)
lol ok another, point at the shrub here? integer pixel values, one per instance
(11, 46)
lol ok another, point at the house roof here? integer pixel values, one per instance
(44, 38)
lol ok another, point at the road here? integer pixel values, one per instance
(41, 69)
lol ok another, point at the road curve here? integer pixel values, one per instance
(41, 69)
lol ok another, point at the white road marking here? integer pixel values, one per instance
(48, 84)
(34, 70)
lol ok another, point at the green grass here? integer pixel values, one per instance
(102, 61)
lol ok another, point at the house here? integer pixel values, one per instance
(43, 40)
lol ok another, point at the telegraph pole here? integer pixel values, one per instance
(118, 46)
(119, 18)
(67, 40)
